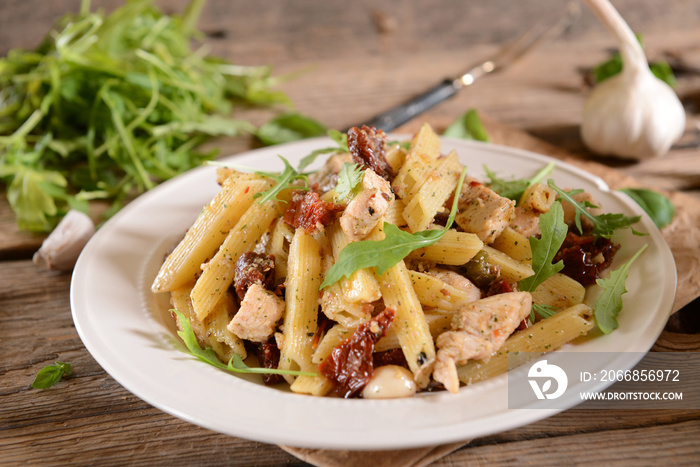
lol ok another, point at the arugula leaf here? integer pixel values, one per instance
(660, 208)
(282, 180)
(514, 189)
(544, 249)
(110, 105)
(384, 254)
(468, 126)
(52, 374)
(289, 127)
(207, 355)
(609, 304)
(545, 311)
(613, 66)
(604, 225)
(349, 178)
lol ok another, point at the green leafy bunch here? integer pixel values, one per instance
(109, 105)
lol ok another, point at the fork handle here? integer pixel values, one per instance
(397, 116)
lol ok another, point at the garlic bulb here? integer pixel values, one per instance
(633, 114)
(60, 250)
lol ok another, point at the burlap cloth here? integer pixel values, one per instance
(682, 236)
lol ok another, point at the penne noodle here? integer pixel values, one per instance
(218, 273)
(454, 248)
(361, 286)
(543, 337)
(437, 187)
(514, 244)
(559, 291)
(434, 293)
(511, 269)
(538, 197)
(301, 298)
(437, 320)
(209, 230)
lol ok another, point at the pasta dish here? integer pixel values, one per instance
(388, 271)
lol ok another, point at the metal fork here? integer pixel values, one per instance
(401, 114)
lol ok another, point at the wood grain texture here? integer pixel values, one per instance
(354, 60)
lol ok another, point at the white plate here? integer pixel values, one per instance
(128, 331)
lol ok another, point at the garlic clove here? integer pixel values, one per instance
(60, 250)
(633, 114)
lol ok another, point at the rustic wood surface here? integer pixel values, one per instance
(355, 60)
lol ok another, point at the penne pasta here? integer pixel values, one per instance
(543, 337)
(438, 186)
(454, 248)
(301, 297)
(361, 286)
(511, 269)
(559, 291)
(432, 292)
(218, 273)
(211, 227)
(513, 244)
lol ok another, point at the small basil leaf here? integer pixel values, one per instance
(52, 374)
(660, 208)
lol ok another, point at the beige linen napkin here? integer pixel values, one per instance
(682, 236)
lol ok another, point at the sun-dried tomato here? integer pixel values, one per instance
(368, 149)
(308, 211)
(269, 357)
(586, 257)
(254, 268)
(389, 357)
(499, 286)
(350, 364)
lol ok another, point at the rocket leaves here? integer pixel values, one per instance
(207, 355)
(544, 249)
(609, 304)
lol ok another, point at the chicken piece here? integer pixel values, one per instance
(483, 211)
(526, 222)
(480, 328)
(258, 314)
(365, 211)
(457, 280)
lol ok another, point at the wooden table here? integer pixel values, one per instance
(357, 59)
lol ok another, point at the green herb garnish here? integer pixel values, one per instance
(384, 254)
(52, 374)
(514, 189)
(609, 304)
(207, 355)
(660, 208)
(604, 225)
(545, 311)
(110, 105)
(544, 249)
(283, 180)
(468, 126)
(349, 179)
